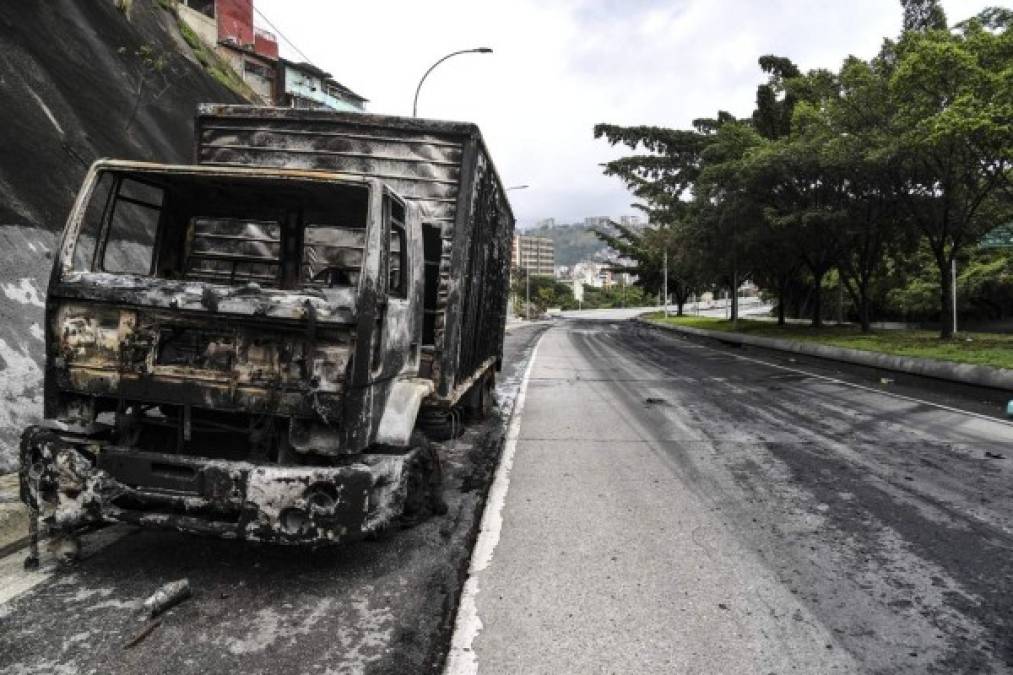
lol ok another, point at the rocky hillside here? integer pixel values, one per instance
(79, 80)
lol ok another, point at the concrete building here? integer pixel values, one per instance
(303, 85)
(226, 26)
(535, 254)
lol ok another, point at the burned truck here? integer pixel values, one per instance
(248, 346)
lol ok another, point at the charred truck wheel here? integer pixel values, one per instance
(441, 424)
(480, 400)
(424, 495)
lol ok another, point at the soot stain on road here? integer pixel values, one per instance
(384, 605)
(975, 556)
(896, 543)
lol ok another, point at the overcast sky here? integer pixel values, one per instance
(560, 66)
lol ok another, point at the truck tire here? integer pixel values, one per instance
(424, 496)
(440, 425)
(481, 399)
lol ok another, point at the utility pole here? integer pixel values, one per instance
(840, 299)
(735, 298)
(953, 285)
(527, 290)
(665, 283)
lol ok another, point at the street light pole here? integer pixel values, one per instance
(477, 50)
(527, 290)
(666, 283)
(953, 294)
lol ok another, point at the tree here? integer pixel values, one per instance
(666, 171)
(920, 15)
(951, 139)
(545, 291)
(774, 103)
(645, 252)
(850, 132)
(726, 214)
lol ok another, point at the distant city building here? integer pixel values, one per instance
(534, 254)
(592, 274)
(545, 222)
(226, 26)
(596, 221)
(631, 221)
(598, 275)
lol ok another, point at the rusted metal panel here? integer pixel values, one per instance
(420, 164)
(442, 167)
(232, 499)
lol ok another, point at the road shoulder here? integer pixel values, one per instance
(961, 373)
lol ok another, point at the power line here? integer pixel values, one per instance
(282, 35)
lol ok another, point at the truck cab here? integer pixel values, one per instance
(233, 351)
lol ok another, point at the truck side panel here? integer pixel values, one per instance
(483, 305)
(442, 167)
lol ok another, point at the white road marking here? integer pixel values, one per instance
(462, 659)
(835, 380)
(15, 579)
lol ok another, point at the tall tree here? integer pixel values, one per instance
(921, 15)
(951, 139)
(726, 215)
(774, 102)
(643, 253)
(852, 126)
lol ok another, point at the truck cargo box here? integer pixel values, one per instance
(442, 167)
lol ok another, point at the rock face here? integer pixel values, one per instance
(78, 81)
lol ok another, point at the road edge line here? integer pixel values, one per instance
(461, 658)
(846, 383)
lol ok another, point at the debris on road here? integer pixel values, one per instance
(886, 380)
(143, 633)
(994, 455)
(651, 400)
(167, 596)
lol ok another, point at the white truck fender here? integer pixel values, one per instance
(402, 409)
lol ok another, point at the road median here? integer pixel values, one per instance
(964, 373)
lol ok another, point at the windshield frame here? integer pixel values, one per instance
(65, 264)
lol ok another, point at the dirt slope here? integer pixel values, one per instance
(78, 81)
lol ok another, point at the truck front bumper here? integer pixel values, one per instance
(73, 483)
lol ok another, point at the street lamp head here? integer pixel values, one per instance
(476, 50)
(516, 187)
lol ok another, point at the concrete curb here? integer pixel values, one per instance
(964, 373)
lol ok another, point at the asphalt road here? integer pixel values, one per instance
(381, 606)
(677, 507)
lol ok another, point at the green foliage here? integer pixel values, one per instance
(876, 175)
(546, 293)
(572, 243)
(920, 15)
(153, 59)
(616, 296)
(987, 349)
(125, 6)
(215, 67)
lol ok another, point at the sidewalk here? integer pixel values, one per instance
(13, 516)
